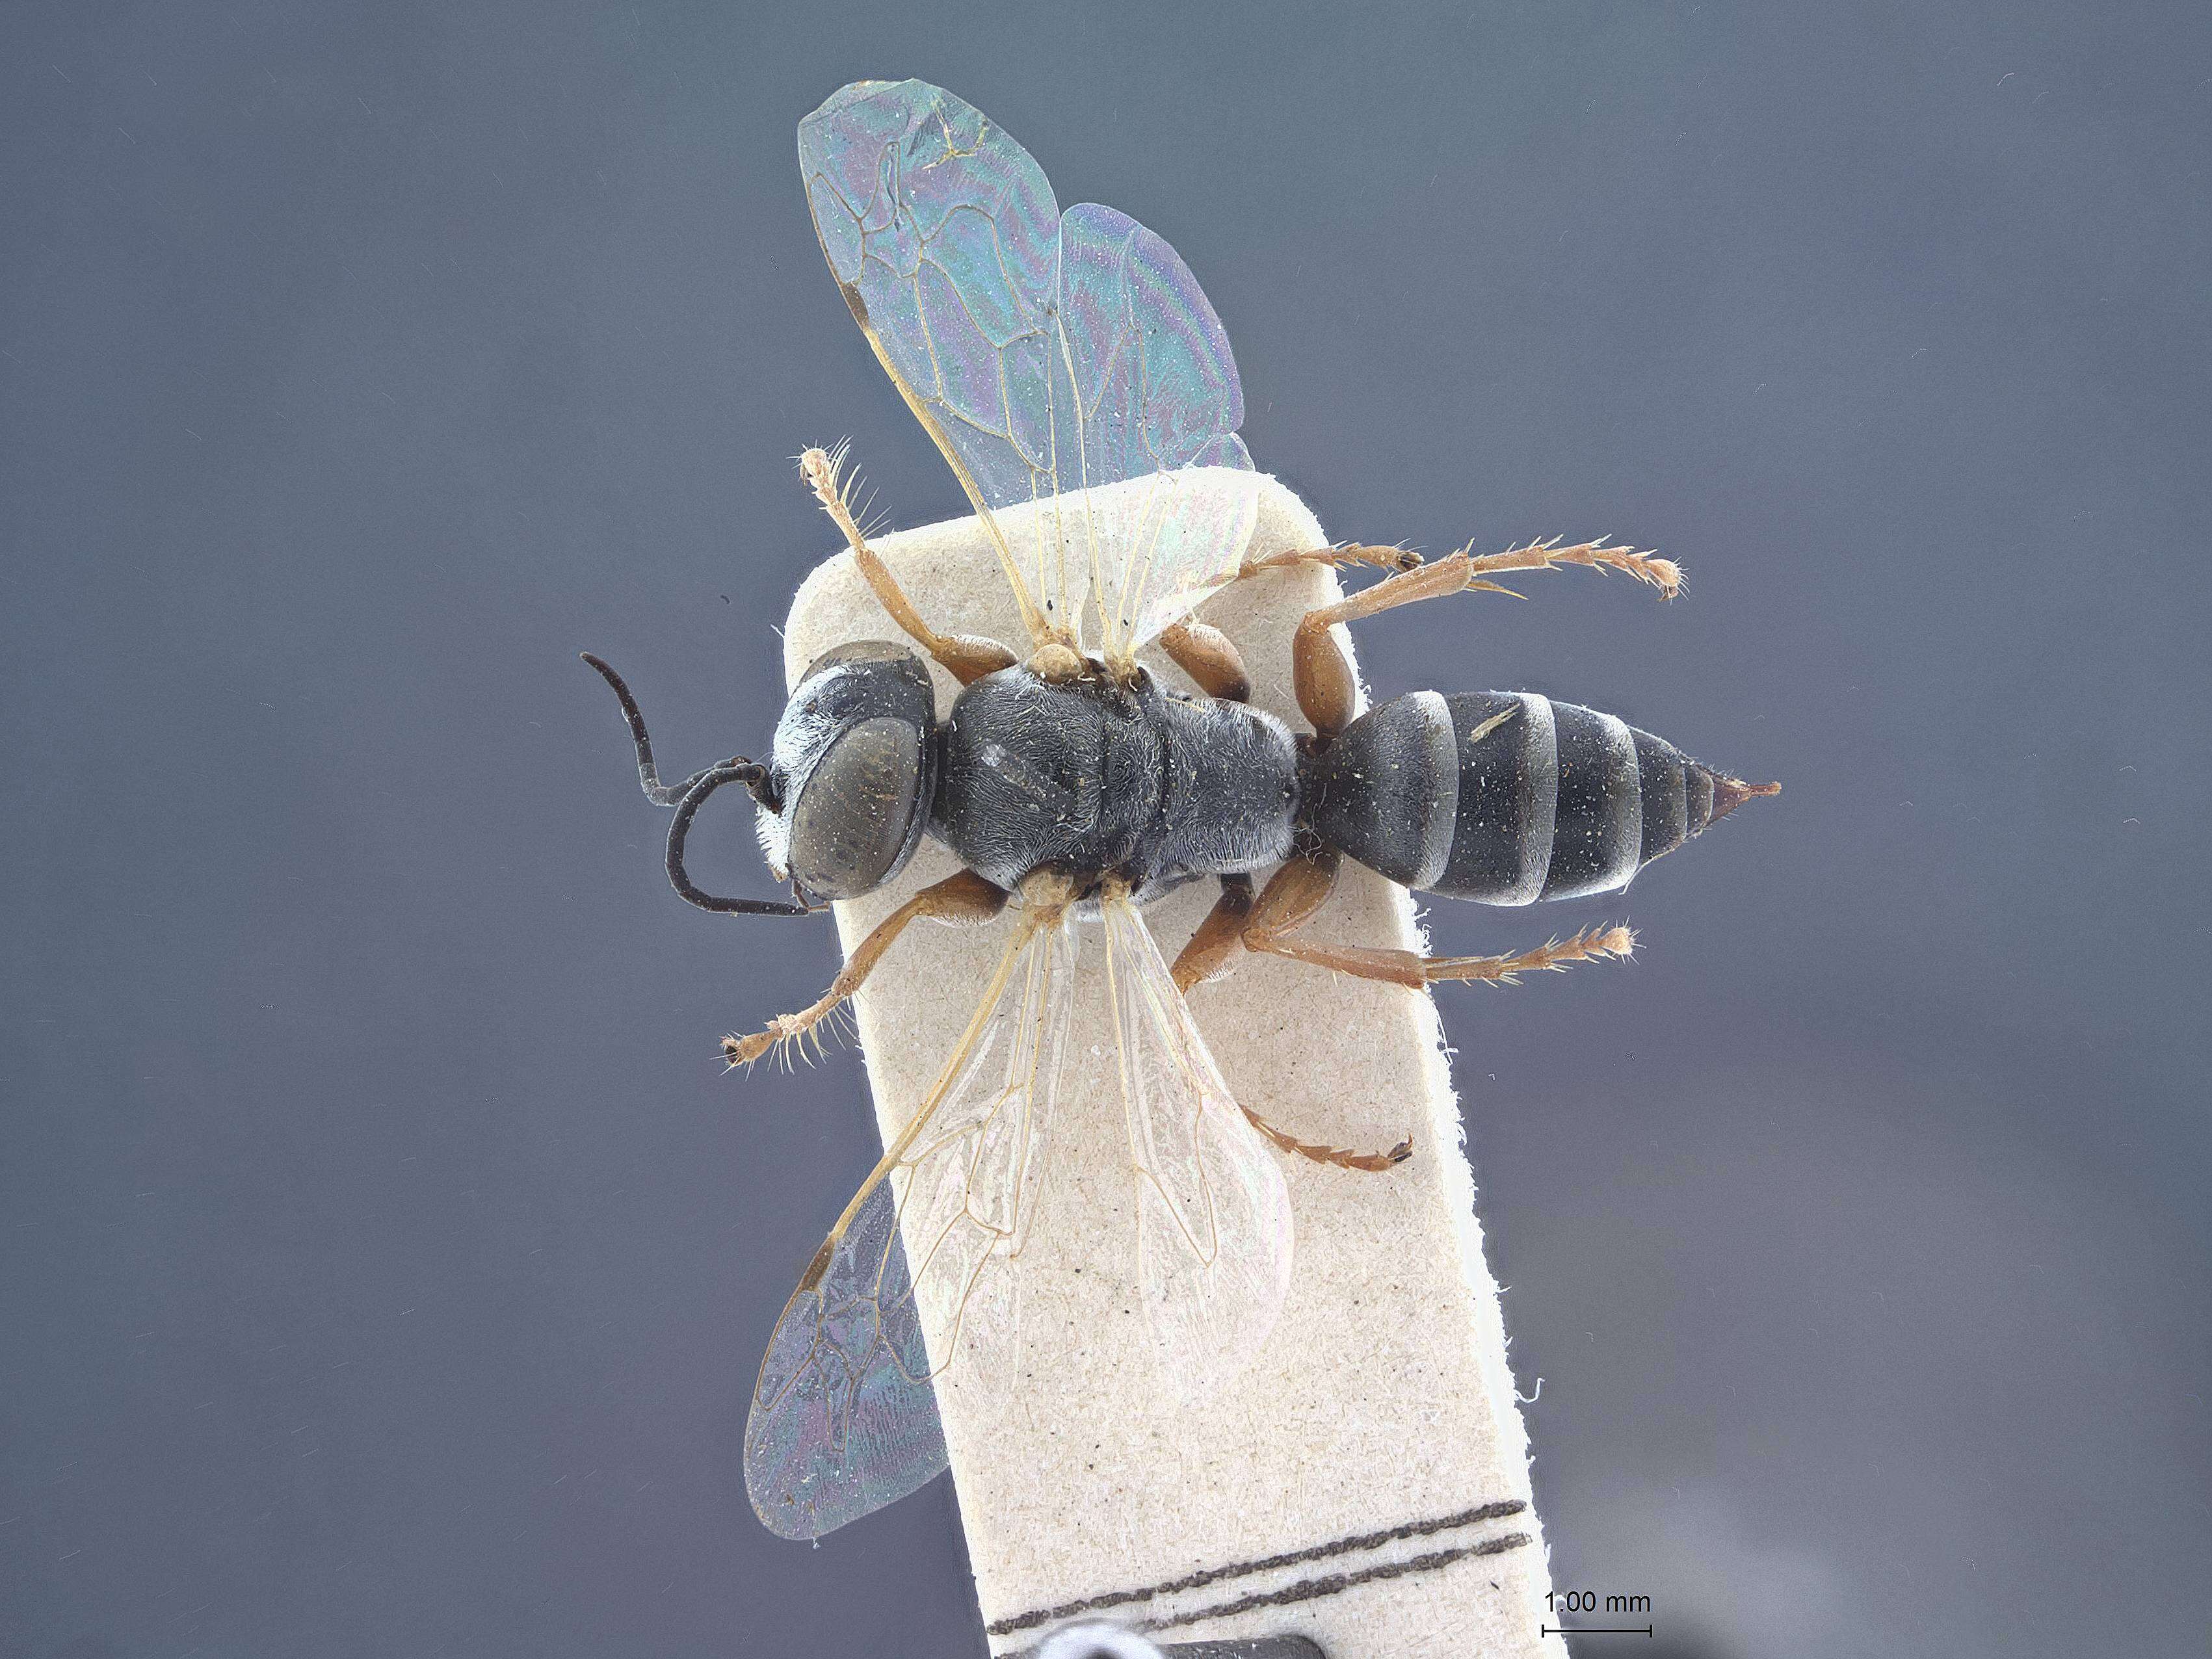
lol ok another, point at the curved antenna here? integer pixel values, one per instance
(687, 797)
(706, 783)
(648, 778)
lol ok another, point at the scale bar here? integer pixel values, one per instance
(1594, 1630)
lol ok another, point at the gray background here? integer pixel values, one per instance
(385, 1258)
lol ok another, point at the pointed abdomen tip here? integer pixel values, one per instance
(1729, 793)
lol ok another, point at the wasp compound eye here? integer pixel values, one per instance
(856, 762)
(859, 815)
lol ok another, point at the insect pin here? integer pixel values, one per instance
(1076, 379)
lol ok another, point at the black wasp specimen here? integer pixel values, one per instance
(1080, 386)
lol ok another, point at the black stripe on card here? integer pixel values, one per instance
(1312, 1589)
(1366, 1541)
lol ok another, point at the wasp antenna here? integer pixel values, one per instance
(756, 779)
(647, 777)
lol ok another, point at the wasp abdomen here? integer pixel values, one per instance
(1504, 797)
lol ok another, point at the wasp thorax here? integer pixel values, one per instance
(852, 770)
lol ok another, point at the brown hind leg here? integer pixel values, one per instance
(1334, 1156)
(1217, 940)
(1414, 971)
(1382, 558)
(961, 898)
(1219, 936)
(1294, 892)
(1327, 693)
(1299, 888)
(1662, 573)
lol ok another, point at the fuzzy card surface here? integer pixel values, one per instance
(1365, 1482)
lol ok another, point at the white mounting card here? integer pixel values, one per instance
(1365, 1481)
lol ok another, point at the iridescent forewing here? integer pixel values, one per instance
(1213, 1215)
(1046, 354)
(1157, 405)
(912, 1276)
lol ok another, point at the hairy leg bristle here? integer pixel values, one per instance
(1599, 555)
(792, 1034)
(1611, 941)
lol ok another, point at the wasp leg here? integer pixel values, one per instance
(1336, 1157)
(1662, 573)
(1219, 936)
(1294, 892)
(964, 897)
(1207, 656)
(1222, 934)
(1406, 968)
(1397, 559)
(1382, 558)
(964, 656)
(1327, 690)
